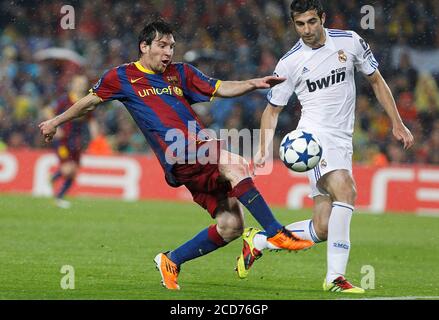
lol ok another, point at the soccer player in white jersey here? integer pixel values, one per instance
(320, 70)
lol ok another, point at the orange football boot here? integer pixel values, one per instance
(288, 240)
(168, 270)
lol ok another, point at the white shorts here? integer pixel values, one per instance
(337, 154)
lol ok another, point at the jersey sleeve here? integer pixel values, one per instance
(199, 87)
(279, 95)
(108, 87)
(364, 59)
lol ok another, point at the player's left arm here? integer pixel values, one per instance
(385, 98)
(228, 89)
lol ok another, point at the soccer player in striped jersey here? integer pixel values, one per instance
(71, 140)
(320, 70)
(158, 94)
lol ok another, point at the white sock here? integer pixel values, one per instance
(260, 241)
(338, 240)
(303, 229)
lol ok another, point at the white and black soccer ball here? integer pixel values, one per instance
(300, 151)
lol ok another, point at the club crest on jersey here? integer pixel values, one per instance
(305, 70)
(178, 91)
(172, 80)
(336, 76)
(342, 57)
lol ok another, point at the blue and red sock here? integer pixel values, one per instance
(250, 197)
(56, 176)
(65, 187)
(204, 242)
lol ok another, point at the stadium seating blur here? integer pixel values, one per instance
(226, 39)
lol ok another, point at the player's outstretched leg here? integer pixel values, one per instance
(235, 169)
(255, 241)
(276, 234)
(314, 230)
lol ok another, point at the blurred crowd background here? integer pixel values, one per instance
(226, 39)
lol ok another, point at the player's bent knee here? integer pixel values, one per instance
(229, 234)
(230, 228)
(347, 194)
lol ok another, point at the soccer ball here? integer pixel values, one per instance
(300, 151)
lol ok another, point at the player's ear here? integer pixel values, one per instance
(143, 47)
(323, 19)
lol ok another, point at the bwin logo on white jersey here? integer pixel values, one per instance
(337, 76)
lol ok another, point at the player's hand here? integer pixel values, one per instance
(48, 130)
(268, 82)
(404, 135)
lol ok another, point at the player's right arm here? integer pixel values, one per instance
(277, 98)
(269, 121)
(107, 88)
(77, 110)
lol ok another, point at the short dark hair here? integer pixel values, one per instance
(301, 6)
(151, 29)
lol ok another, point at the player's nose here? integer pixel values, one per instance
(307, 30)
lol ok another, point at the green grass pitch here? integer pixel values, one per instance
(111, 245)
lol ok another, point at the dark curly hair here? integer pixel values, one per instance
(301, 6)
(151, 29)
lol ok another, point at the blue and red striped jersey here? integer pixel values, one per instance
(159, 103)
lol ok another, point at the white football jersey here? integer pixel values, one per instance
(323, 80)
